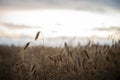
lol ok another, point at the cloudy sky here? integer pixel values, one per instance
(21, 19)
(101, 5)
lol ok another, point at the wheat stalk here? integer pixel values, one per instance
(32, 68)
(78, 60)
(86, 54)
(28, 43)
(83, 63)
(37, 35)
(52, 59)
(69, 52)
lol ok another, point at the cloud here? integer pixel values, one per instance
(116, 29)
(16, 26)
(16, 31)
(13, 35)
(13, 26)
(95, 5)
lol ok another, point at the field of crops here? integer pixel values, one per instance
(90, 62)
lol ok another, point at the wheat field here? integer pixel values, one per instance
(90, 62)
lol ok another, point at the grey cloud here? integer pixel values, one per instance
(14, 2)
(96, 5)
(13, 35)
(16, 26)
(117, 29)
(58, 1)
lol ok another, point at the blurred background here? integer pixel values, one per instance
(59, 20)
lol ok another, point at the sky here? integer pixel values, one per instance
(21, 19)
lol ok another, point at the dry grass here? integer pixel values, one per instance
(90, 62)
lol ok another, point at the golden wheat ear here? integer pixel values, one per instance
(37, 35)
(51, 58)
(28, 43)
